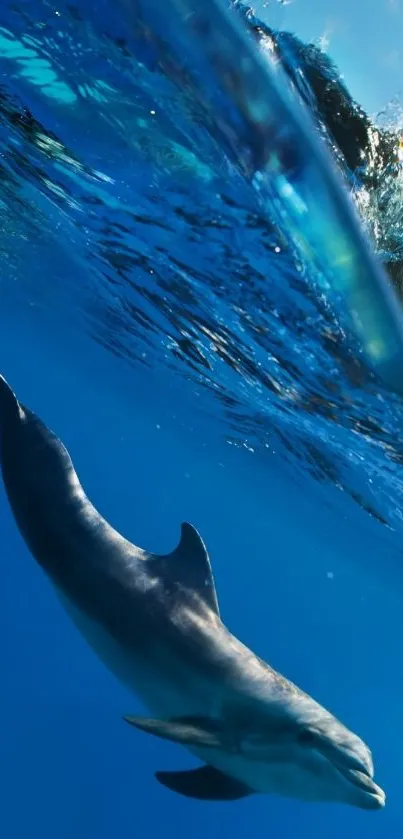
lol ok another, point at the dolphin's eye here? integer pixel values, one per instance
(306, 737)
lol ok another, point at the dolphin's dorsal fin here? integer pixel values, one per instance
(189, 565)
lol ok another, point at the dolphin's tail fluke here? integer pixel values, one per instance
(9, 406)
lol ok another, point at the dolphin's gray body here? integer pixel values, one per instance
(154, 621)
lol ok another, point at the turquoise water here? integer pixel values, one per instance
(162, 313)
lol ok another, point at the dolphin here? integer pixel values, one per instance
(154, 621)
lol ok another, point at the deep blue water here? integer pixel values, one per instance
(155, 314)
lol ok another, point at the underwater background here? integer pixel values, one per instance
(163, 311)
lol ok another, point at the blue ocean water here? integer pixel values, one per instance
(159, 317)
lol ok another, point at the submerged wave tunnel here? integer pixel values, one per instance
(250, 109)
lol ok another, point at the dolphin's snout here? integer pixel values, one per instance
(356, 766)
(367, 794)
(352, 759)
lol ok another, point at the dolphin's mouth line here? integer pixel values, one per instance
(363, 781)
(358, 779)
(358, 775)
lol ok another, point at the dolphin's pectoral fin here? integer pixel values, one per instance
(188, 731)
(189, 565)
(205, 783)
